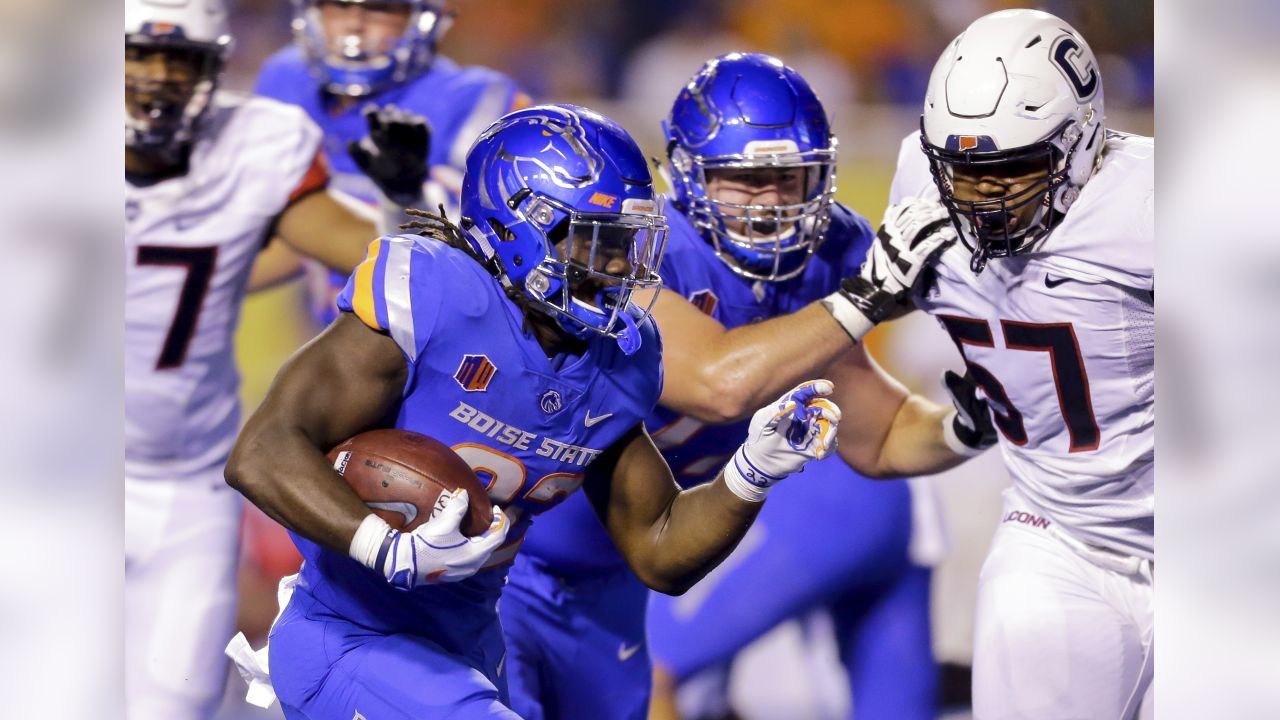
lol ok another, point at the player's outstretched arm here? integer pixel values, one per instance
(321, 227)
(671, 538)
(275, 265)
(891, 432)
(341, 383)
(719, 375)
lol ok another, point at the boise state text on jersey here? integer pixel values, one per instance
(571, 541)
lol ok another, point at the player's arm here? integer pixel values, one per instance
(671, 538)
(321, 227)
(719, 375)
(275, 265)
(394, 156)
(891, 432)
(344, 381)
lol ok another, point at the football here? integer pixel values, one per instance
(401, 474)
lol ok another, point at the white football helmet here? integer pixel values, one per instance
(1016, 88)
(161, 115)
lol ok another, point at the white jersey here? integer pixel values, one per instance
(190, 242)
(1062, 338)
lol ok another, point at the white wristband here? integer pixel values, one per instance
(367, 541)
(849, 317)
(953, 441)
(735, 474)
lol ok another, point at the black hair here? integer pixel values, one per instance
(438, 226)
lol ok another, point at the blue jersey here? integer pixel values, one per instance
(458, 102)
(480, 383)
(570, 542)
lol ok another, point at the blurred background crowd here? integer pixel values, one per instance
(860, 51)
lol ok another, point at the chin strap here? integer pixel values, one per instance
(629, 340)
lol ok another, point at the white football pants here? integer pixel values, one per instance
(1063, 631)
(181, 555)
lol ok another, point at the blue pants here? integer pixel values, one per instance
(575, 649)
(326, 668)
(827, 537)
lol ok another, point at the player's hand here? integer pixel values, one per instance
(394, 153)
(969, 430)
(782, 437)
(437, 551)
(914, 232)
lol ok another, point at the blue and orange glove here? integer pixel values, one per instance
(782, 437)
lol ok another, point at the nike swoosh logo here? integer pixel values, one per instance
(408, 510)
(1052, 282)
(590, 421)
(625, 653)
(186, 222)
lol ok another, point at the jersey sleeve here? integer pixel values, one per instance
(277, 153)
(392, 292)
(315, 179)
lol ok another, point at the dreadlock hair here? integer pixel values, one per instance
(438, 226)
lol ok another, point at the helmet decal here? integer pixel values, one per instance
(1066, 53)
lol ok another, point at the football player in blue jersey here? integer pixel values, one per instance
(352, 56)
(753, 301)
(560, 227)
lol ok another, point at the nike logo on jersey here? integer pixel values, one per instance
(408, 510)
(591, 421)
(1053, 282)
(625, 652)
(185, 222)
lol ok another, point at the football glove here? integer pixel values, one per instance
(782, 437)
(913, 233)
(968, 430)
(434, 552)
(394, 153)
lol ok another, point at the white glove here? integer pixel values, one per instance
(434, 552)
(782, 437)
(914, 231)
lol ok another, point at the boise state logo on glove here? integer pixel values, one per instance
(800, 426)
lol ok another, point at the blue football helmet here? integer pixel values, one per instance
(748, 112)
(355, 66)
(560, 199)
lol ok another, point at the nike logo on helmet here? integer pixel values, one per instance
(590, 421)
(625, 652)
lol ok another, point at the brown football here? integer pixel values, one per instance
(401, 474)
